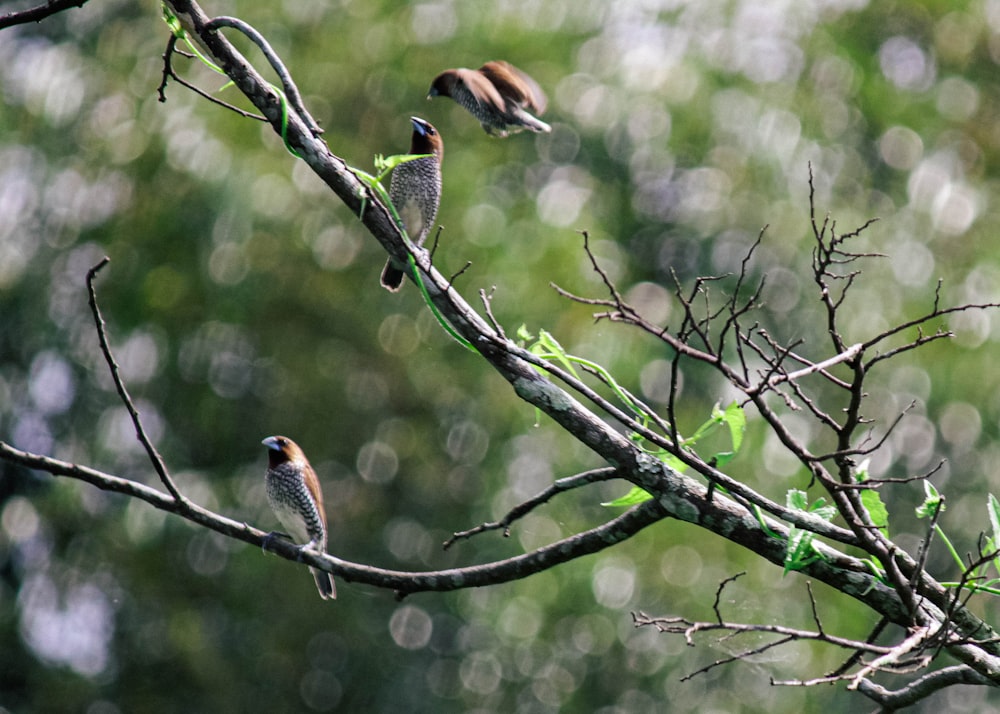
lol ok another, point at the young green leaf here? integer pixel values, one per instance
(993, 506)
(632, 498)
(736, 419)
(877, 511)
(993, 543)
(801, 550)
(872, 500)
(933, 501)
(796, 499)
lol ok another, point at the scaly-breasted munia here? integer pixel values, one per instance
(498, 94)
(297, 499)
(415, 191)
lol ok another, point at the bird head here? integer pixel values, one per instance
(444, 83)
(426, 139)
(281, 449)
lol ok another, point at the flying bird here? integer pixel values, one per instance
(415, 191)
(498, 94)
(297, 499)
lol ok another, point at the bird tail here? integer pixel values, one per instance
(324, 583)
(392, 277)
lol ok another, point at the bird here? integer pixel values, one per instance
(295, 496)
(415, 191)
(498, 94)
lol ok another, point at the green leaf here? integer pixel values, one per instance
(713, 422)
(993, 543)
(993, 506)
(861, 471)
(877, 511)
(736, 419)
(872, 500)
(673, 462)
(819, 508)
(548, 347)
(802, 550)
(933, 501)
(632, 498)
(723, 457)
(796, 499)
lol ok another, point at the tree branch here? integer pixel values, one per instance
(38, 13)
(404, 583)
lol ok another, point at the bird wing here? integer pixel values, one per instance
(413, 219)
(312, 483)
(515, 84)
(482, 89)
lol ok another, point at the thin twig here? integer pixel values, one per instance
(140, 432)
(487, 299)
(168, 72)
(523, 509)
(291, 91)
(458, 273)
(848, 354)
(718, 594)
(38, 13)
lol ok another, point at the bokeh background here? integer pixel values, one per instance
(242, 300)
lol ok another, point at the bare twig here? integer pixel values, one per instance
(140, 432)
(487, 300)
(848, 354)
(38, 13)
(893, 659)
(290, 89)
(458, 273)
(168, 72)
(681, 626)
(523, 509)
(718, 595)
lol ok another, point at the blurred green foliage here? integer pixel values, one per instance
(243, 300)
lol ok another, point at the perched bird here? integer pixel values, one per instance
(498, 94)
(415, 191)
(297, 499)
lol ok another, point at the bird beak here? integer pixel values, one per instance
(271, 442)
(419, 125)
(433, 93)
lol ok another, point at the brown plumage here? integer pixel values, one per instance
(415, 191)
(498, 94)
(297, 499)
